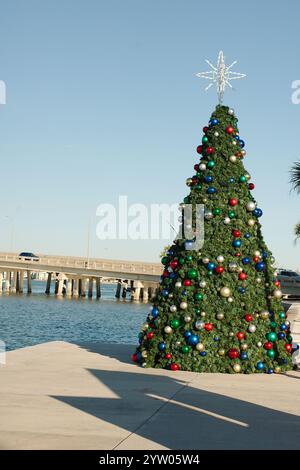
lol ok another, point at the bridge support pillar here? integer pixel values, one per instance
(21, 282)
(83, 287)
(136, 294)
(29, 288)
(1, 281)
(91, 285)
(7, 282)
(98, 287)
(118, 291)
(48, 286)
(145, 294)
(76, 287)
(60, 287)
(69, 288)
(124, 291)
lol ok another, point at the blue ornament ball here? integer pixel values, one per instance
(257, 212)
(236, 243)
(260, 366)
(247, 235)
(193, 340)
(154, 312)
(211, 266)
(283, 327)
(281, 335)
(173, 275)
(260, 266)
(231, 180)
(187, 334)
(270, 370)
(170, 252)
(242, 143)
(246, 260)
(244, 356)
(211, 190)
(203, 353)
(216, 338)
(242, 290)
(214, 122)
(165, 293)
(264, 254)
(237, 137)
(162, 346)
(208, 179)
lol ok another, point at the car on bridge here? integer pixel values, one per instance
(289, 282)
(26, 256)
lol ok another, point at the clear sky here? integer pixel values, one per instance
(102, 100)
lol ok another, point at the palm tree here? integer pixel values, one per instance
(295, 181)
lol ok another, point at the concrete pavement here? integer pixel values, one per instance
(65, 396)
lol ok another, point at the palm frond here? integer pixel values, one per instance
(295, 177)
(297, 232)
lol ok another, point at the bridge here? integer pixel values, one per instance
(77, 276)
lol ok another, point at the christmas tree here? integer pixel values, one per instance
(218, 308)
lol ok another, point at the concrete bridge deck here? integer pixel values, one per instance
(64, 396)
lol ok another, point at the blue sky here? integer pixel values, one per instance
(102, 100)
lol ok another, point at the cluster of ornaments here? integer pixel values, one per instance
(180, 280)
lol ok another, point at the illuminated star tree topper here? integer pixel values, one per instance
(220, 75)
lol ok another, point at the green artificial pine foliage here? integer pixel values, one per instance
(219, 309)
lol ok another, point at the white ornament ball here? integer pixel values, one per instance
(233, 158)
(257, 253)
(250, 206)
(237, 368)
(251, 328)
(187, 318)
(231, 111)
(251, 222)
(202, 284)
(168, 330)
(178, 343)
(220, 259)
(231, 334)
(220, 316)
(225, 291)
(145, 326)
(226, 220)
(234, 142)
(178, 284)
(200, 346)
(202, 167)
(173, 308)
(144, 354)
(183, 305)
(244, 346)
(230, 300)
(199, 324)
(208, 215)
(277, 294)
(232, 267)
(258, 280)
(216, 134)
(287, 323)
(170, 296)
(205, 260)
(259, 344)
(202, 314)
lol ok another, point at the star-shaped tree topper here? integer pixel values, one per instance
(220, 75)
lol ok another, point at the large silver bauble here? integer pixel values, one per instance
(187, 318)
(232, 266)
(199, 325)
(226, 221)
(202, 167)
(168, 330)
(208, 215)
(233, 158)
(220, 316)
(225, 291)
(251, 328)
(173, 308)
(220, 259)
(183, 305)
(250, 206)
(202, 284)
(237, 368)
(200, 346)
(277, 294)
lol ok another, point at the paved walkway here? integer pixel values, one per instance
(64, 396)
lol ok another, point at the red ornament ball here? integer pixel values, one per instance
(209, 150)
(229, 130)
(233, 202)
(205, 129)
(251, 186)
(242, 276)
(277, 283)
(187, 282)
(256, 259)
(174, 263)
(288, 347)
(168, 356)
(240, 335)
(134, 357)
(219, 269)
(175, 366)
(248, 317)
(196, 167)
(268, 345)
(237, 254)
(208, 326)
(233, 353)
(236, 233)
(199, 149)
(150, 335)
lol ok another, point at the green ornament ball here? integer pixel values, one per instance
(185, 349)
(181, 260)
(243, 179)
(175, 323)
(186, 200)
(204, 139)
(189, 258)
(216, 211)
(199, 296)
(271, 336)
(282, 315)
(210, 164)
(197, 311)
(271, 353)
(192, 274)
(164, 260)
(273, 324)
(231, 214)
(198, 186)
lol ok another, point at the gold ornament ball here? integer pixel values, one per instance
(168, 330)
(221, 352)
(230, 300)
(200, 347)
(259, 344)
(144, 354)
(251, 222)
(244, 346)
(202, 314)
(145, 326)
(264, 314)
(277, 294)
(187, 318)
(258, 280)
(220, 316)
(231, 334)
(237, 368)
(189, 181)
(257, 253)
(233, 158)
(183, 305)
(277, 370)
(225, 292)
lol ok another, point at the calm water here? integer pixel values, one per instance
(31, 319)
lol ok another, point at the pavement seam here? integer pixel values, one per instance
(165, 403)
